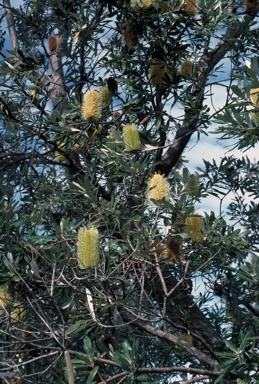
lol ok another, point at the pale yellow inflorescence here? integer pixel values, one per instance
(254, 95)
(106, 96)
(5, 299)
(145, 4)
(157, 72)
(131, 137)
(158, 188)
(92, 105)
(59, 156)
(187, 68)
(88, 247)
(195, 228)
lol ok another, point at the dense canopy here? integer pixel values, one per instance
(111, 271)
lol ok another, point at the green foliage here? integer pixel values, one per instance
(123, 320)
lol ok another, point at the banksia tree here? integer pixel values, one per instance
(88, 247)
(195, 228)
(73, 157)
(158, 188)
(131, 137)
(92, 105)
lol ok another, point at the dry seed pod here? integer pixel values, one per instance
(190, 6)
(129, 35)
(52, 43)
(172, 250)
(251, 5)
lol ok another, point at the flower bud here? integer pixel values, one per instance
(195, 228)
(88, 247)
(187, 68)
(131, 137)
(157, 72)
(106, 96)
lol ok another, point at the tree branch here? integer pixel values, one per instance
(10, 23)
(173, 339)
(205, 65)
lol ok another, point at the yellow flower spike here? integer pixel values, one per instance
(88, 247)
(145, 4)
(5, 299)
(17, 312)
(92, 105)
(157, 72)
(187, 68)
(52, 43)
(195, 228)
(187, 338)
(34, 95)
(255, 118)
(158, 188)
(254, 96)
(59, 155)
(106, 96)
(131, 137)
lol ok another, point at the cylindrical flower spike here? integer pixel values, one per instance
(92, 105)
(187, 68)
(157, 72)
(158, 188)
(106, 96)
(88, 247)
(5, 299)
(131, 137)
(52, 43)
(59, 155)
(195, 228)
(193, 186)
(255, 118)
(254, 95)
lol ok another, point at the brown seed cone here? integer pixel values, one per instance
(52, 43)
(129, 35)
